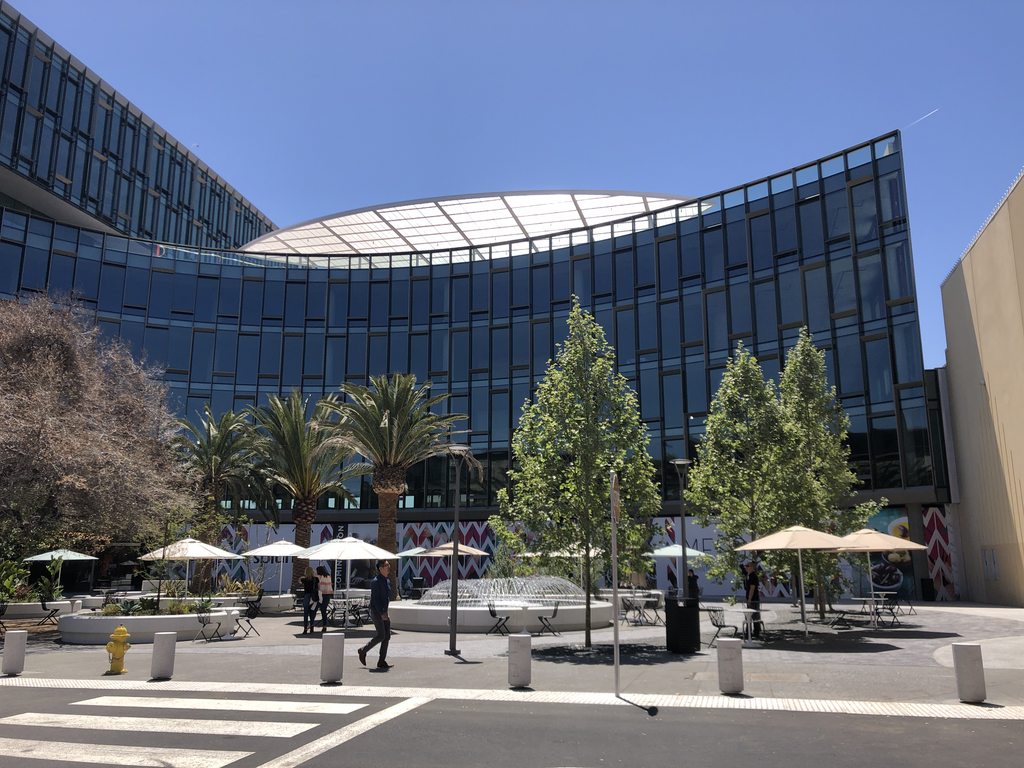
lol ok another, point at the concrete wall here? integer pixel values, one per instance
(983, 306)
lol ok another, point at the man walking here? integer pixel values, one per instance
(380, 597)
(753, 588)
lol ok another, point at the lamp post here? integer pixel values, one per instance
(682, 468)
(459, 453)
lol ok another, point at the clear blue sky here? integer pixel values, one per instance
(309, 108)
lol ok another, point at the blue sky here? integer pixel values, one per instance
(309, 108)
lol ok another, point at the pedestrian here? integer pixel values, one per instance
(326, 592)
(310, 599)
(380, 597)
(692, 586)
(753, 593)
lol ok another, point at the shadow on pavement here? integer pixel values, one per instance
(629, 653)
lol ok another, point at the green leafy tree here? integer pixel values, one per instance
(508, 560)
(303, 457)
(394, 425)
(740, 474)
(819, 457)
(223, 461)
(584, 424)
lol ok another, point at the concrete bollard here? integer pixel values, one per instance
(970, 672)
(164, 645)
(14, 651)
(332, 657)
(730, 665)
(519, 658)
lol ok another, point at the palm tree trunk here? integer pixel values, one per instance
(387, 531)
(303, 515)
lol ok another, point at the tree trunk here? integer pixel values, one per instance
(387, 531)
(303, 515)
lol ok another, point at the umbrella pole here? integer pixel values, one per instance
(803, 610)
(871, 581)
(280, 575)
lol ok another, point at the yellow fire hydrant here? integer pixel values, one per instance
(117, 648)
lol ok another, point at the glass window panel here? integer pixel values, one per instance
(316, 301)
(62, 274)
(439, 293)
(693, 317)
(230, 295)
(645, 264)
(900, 268)
(541, 289)
(624, 275)
(499, 353)
(811, 234)
(625, 337)
(668, 265)
(439, 349)
(460, 299)
(460, 356)
(227, 344)
(273, 299)
(790, 299)
(560, 281)
(761, 242)
(689, 244)
(356, 366)
(885, 452)
(520, 287)
(844, 291)
(420, 297)
(890, 190)
(87, 283)
(252, 302)
(736, 242)
(270, 354)
(672, 410)
(541, 346)
(851, 369)
(206, 299)
(581, 281)
(248, 358)
(480, 413)
(876, 352)
(670, 336)
(650, 397)
(334, 373)
(837, 214)
(817, 300)
(718, 326)
(337, 307)
(767, 316)
(156, 346)
(132, 336)
(864, 214)
(499, 294)
(917, 457)
(202, 357)
(399, 297)
(785, 229)
(183, 301)
(521, 343)
(359, 295)
(906, 342)
(602, 273)
(481, 347)
(480, 289)
(714, 256)
(499, 417)
(379, 304)
(295, 304)
(739, 307)
(111, 288)
(179, 348)
(696, 387)
(378, 354)
(872, 289)
(398, 360)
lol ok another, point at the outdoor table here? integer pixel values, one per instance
(524, 608)
(748, 623)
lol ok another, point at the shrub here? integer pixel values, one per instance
(111, 609)
(13, 581)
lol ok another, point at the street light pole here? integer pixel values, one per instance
(682, 468)
(459, 453)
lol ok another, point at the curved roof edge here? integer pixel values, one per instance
(458, 221)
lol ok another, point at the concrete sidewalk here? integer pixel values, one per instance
(911, 662)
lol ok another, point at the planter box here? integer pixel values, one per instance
(35, 610)
(84, 629)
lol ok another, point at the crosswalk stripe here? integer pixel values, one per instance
(325, 743)
(255, 705)
(111, 754)
(281, 730)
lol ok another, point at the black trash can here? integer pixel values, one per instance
(682, 625)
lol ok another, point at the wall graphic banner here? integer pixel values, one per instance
(940, 554)
(892, 571)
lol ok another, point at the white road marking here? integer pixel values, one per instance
(316, 748)
(280, 730)
(110, 754)
(257, 705)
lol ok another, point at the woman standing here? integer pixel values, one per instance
(326, 592)
(310, 599)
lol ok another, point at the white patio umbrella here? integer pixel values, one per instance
(348, 549)
(799, 538)
(414, 552)
(445, 550)
(189, 550)
(277, 549)
(58, 554)
(676, 550)
(868, 540)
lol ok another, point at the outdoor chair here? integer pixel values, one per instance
(205, 622)
(545, 623)
(359, 612)
(253, 606)
(500, 622)
(244, 622)
(891, 606)
(50, 617)
(717, 617)
(3, 610)
(417, 587)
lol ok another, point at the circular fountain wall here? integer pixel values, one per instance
(523, 599)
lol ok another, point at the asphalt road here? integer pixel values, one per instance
(55, 727)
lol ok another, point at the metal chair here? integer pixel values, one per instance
(205, 620)
(717, 617)
(51, 615)
(500, 622)
(244, 622)
(254, 605)
(545, 623)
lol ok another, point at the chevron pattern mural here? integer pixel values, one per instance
(940, 554)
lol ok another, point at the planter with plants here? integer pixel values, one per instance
(33, 601)
(141, 620)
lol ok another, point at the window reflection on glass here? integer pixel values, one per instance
(872, 289)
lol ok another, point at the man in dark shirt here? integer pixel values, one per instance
(753, 590)
(380, 597)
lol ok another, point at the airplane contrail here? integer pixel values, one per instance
(922, 118)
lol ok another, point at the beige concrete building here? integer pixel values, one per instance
(983, 306)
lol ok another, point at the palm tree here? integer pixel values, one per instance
(220, 455)
(392, 424)
(303, 457)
